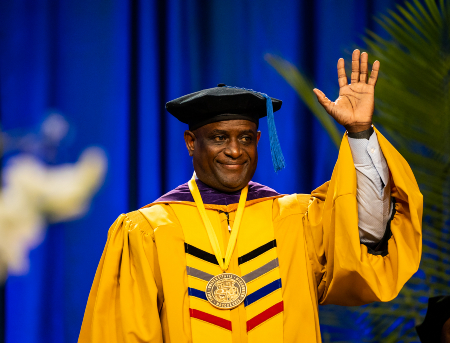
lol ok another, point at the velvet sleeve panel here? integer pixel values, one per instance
(126, 295)
(346, 272)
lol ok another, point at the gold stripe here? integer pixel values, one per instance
(263, 281)
(197, 283)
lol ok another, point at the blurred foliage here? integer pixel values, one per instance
(413, 110)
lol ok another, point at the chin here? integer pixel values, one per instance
(233, 186)
(234, 183)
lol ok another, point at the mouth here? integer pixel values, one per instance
(232, 165)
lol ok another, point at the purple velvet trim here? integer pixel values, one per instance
(214, 197)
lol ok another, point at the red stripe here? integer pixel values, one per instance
(209, 318)
(263, 316)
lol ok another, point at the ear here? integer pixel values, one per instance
(189, 139)
(258, 136)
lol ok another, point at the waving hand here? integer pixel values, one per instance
(354, 107)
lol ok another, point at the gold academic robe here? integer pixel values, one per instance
(149, 282)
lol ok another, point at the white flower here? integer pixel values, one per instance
(21, 228)
(34, 192)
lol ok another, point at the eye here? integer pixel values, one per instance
(246, 139)
(219, 138)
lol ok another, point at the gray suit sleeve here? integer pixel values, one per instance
(373, 189)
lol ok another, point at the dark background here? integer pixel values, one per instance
(109, 67)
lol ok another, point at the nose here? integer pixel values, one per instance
(233, 149)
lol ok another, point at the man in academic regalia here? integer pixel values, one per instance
(225, 259)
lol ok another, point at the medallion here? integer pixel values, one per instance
(226, 291)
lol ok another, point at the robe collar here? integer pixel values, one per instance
(213, 196)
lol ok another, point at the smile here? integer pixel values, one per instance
(232, 166)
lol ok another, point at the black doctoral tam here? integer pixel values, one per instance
(229, 103)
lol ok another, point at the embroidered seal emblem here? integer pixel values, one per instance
(226, 291)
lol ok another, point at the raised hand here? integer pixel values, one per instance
(354, 107)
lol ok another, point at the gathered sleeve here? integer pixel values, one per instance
(126, 295)
(346, 271)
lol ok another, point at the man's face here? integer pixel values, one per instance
(224, 153)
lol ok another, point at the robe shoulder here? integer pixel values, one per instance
(298, 204)
(137, 218)
(288, 205)
(145, 220)
(159, 215)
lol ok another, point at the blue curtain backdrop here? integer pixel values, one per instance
(109, 67)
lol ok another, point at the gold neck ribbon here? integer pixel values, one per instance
(209, 228)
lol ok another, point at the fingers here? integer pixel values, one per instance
(360, 70)
(323, 100)
(374, 74)
(342, 77)
(355, 66)
(364, 67)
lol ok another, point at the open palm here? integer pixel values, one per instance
(354, 107)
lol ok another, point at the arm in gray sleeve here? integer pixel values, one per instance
(373, 189)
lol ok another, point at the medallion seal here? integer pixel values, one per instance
(226, 291)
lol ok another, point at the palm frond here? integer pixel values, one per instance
(303, 88)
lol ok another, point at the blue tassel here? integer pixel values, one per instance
(275, 148)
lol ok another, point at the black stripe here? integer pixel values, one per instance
(201, 254)
(258, 251)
